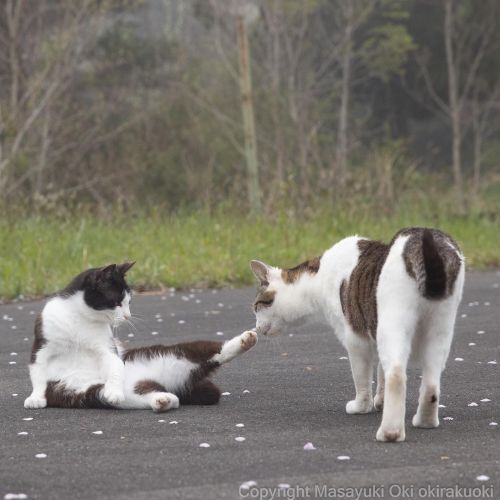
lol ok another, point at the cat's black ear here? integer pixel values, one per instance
(125, 267)
(107, 271)
(261, 271)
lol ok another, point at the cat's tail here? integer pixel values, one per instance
(441, 264)
(236, 346)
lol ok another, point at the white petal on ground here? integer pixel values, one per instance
(12, 363)
(463, 315)
(472, 344)
(41, 455)
(15, 394)
(181, 322)
(283, 486)
(473, 404)
(240, 439)
(492, 362)
(130, 335)
(97, 432)
(246, 391)
(28, 418)
(459, 359)
(480, 332)
(343, 457)
(309, 446)
(159, 320)
(486, 303)
(204, 445)
(493, 424)
(343, 357)
(442, 406)
(13, 353)
(485, 400)
(247, 485)
(226, 394)
(23, 433)
(482, 477)
(173, 422)
(220, 304)
(240, 425)
(154, 333)
(15, 496)
(448, 418)
(161, 420)
(219, 333)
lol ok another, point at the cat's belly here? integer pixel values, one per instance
(169, 371)
(77, 372)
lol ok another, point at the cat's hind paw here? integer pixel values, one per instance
(164, 401)
(35, 402)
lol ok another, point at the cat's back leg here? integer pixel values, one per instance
(150, 394)
(203, 392)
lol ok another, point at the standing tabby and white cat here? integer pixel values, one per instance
(77, 363)
(398, 299)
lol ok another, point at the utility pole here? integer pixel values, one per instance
(248, 117)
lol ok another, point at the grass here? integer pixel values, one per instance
(40, 254)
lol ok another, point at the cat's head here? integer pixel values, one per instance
(277, 303)
(105, 291)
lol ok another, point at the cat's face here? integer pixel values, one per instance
(105, 291)
(270, 305)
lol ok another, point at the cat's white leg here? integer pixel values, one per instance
(156, 400)
(435, 352)
(113, 387)
(394, 339)
(38, 378)
(378, 400)
(236, 346)
(361, 356)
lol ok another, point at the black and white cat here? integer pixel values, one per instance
(76, 361)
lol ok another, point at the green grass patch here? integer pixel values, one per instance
(40, 254)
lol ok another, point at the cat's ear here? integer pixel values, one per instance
(107, 271)
(261, 271)
(125, 267)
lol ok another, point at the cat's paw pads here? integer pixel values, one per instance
(113, 395)
(378, 402)
(248, 340)
(391, 435)
(34, 402)
(164, 401)
(425, 423)
(357, 406)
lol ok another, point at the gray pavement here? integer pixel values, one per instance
(298, 389)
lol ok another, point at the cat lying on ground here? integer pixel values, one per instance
(77, 363)
(398, 300)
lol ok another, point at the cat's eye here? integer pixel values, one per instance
(265, 303)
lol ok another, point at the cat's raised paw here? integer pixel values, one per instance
(113, 395)
(248, 340)
(164, 401)
(34, 402)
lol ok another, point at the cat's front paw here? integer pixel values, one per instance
(359, 405)
(113, 395)
(164, 401)
(248, 340)
(34, 402)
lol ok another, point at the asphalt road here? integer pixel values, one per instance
(298, 386)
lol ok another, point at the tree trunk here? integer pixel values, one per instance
(341, 153)
(454, 106)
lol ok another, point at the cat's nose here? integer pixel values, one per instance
(126, 315)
